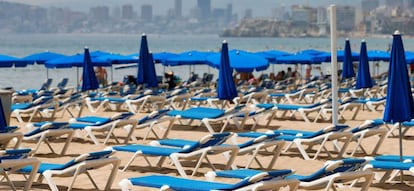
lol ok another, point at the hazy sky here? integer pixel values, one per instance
(260, 7)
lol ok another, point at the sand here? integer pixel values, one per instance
(290, 160)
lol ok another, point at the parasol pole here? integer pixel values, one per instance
(334, 65)
(401, 151)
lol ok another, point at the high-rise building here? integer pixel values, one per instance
(394, 3)
(146, 12)
(127, 11)
(410, 4)
(369, 5)
(100, 13)
(205, 9)
(346, 18)
(178, 8)
(229, 12)
(248, 13)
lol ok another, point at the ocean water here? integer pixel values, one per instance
(33, 76)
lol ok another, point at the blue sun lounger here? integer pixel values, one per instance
(173, 149)
(391, 164)
(303, 110)
(90, 123)
(45, 132)
(309, 138)
(79, 165)
(258, 181)
(153, 124)
(209, 115)
(15, 159)
(336, 172)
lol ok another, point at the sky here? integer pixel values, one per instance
(261, 8)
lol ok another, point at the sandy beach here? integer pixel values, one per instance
(290, 160)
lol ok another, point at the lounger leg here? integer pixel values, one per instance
(112, 176)
(75, 175)
(68, 141)
(174, 158)
(124, 184)
(6, 176)
(93, 182)
(48, 176)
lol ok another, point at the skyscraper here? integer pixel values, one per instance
(178, 8)
(205, 9)
(127, 11)
(146, 12)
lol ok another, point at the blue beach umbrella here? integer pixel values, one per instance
(89, 80)
(42, 57)
(272, 55)
(193, 57)
(146, 68)
(161, 57)
(76, 60)
(241, 61)
(302, 58)
(378, 55)
(399, 105)
(226, 89)
(10, 61)
(347, 66)
(118, 59)
(363, 77)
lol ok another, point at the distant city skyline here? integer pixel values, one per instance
(260, 8)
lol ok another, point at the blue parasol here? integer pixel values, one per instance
(160, 57)
(272, 55)
(241, 61)
(378, 55)
(192, 57)
(299, 58)
(10, 61)
(399, 105)
(363, 77)
(226, 89)
(42, 57)
(89, 81)
(146, 68)
(347, 66)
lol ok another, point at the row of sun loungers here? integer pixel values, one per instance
(163, 111)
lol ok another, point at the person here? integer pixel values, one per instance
(101, 75)
(296, 75)
(169, 76)
(308, 70)
(252, 80)
(288, 73)
(280, 75)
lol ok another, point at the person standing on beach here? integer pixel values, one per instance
(101, 75)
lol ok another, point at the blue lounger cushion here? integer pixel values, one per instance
(151, 150)
(390, 165)
(243, 173)
(295, 107)
(176, 183)
(93, 119)
(53, 166)
(8, 129)
(198, 113)
(53, 125)
(348, 164)
(21, 106)
(157, 115)
(15, 154)
(394, 158)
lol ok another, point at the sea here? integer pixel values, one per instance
(32, 76)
